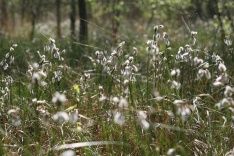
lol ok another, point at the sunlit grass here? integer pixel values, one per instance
(154, 99)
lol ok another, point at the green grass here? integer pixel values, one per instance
(153, 122)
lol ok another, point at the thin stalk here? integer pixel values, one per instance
(147, 78)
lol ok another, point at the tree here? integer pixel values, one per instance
(73, 19)
(197, 6)
(115, 20)
(83, 21)
(35, 11)
(4, 18)
(33, 22)
(58, 17)
(22, 11)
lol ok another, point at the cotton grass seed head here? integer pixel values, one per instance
(60, 117)
(156, 27)
(218, 84)
(175, 85)
(178, 102)
(145, 124)
(73, 117)
(68, 153)
(193, 33)
(142, 115)
(119, 118)
(13, 112)
(203, 73)
(123, 103)
(36, 77)
(171, 152)
(225, 102)
(135, 51)
(175, 72)
(35, 66)
(149, 42)
(102, 98)
(229, 91)
(52, 40)
(14, 116)
(126, 82)
(58, 99)
(142, 119)
(185, 112)
(122, 43)
(115, 100)
(221, 80)
(222, 68)
(197, 61)
(16, 121)
(228, 42)
(14, 45)
(42, 73)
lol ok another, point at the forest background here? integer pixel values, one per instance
(116, 77)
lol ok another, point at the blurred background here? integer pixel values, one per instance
(93, 24)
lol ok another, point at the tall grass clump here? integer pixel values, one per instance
(174, 101)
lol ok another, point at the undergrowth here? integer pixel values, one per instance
(174, 101)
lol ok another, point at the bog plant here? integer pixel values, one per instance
(180, 102)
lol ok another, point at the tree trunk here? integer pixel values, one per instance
(4, 18)
(115, 22)
(211, 8)
(73, 19)
(33, 22)
(13, 20)
(197, 5)
(83, 22)
(35, 11)
(229, 15)
(222, 31)
(58, 16)
(22, 12)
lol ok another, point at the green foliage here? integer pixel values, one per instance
(166, 90)
(170, 105)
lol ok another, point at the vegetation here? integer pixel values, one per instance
(120, 87)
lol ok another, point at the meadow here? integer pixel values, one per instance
(156, 97)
